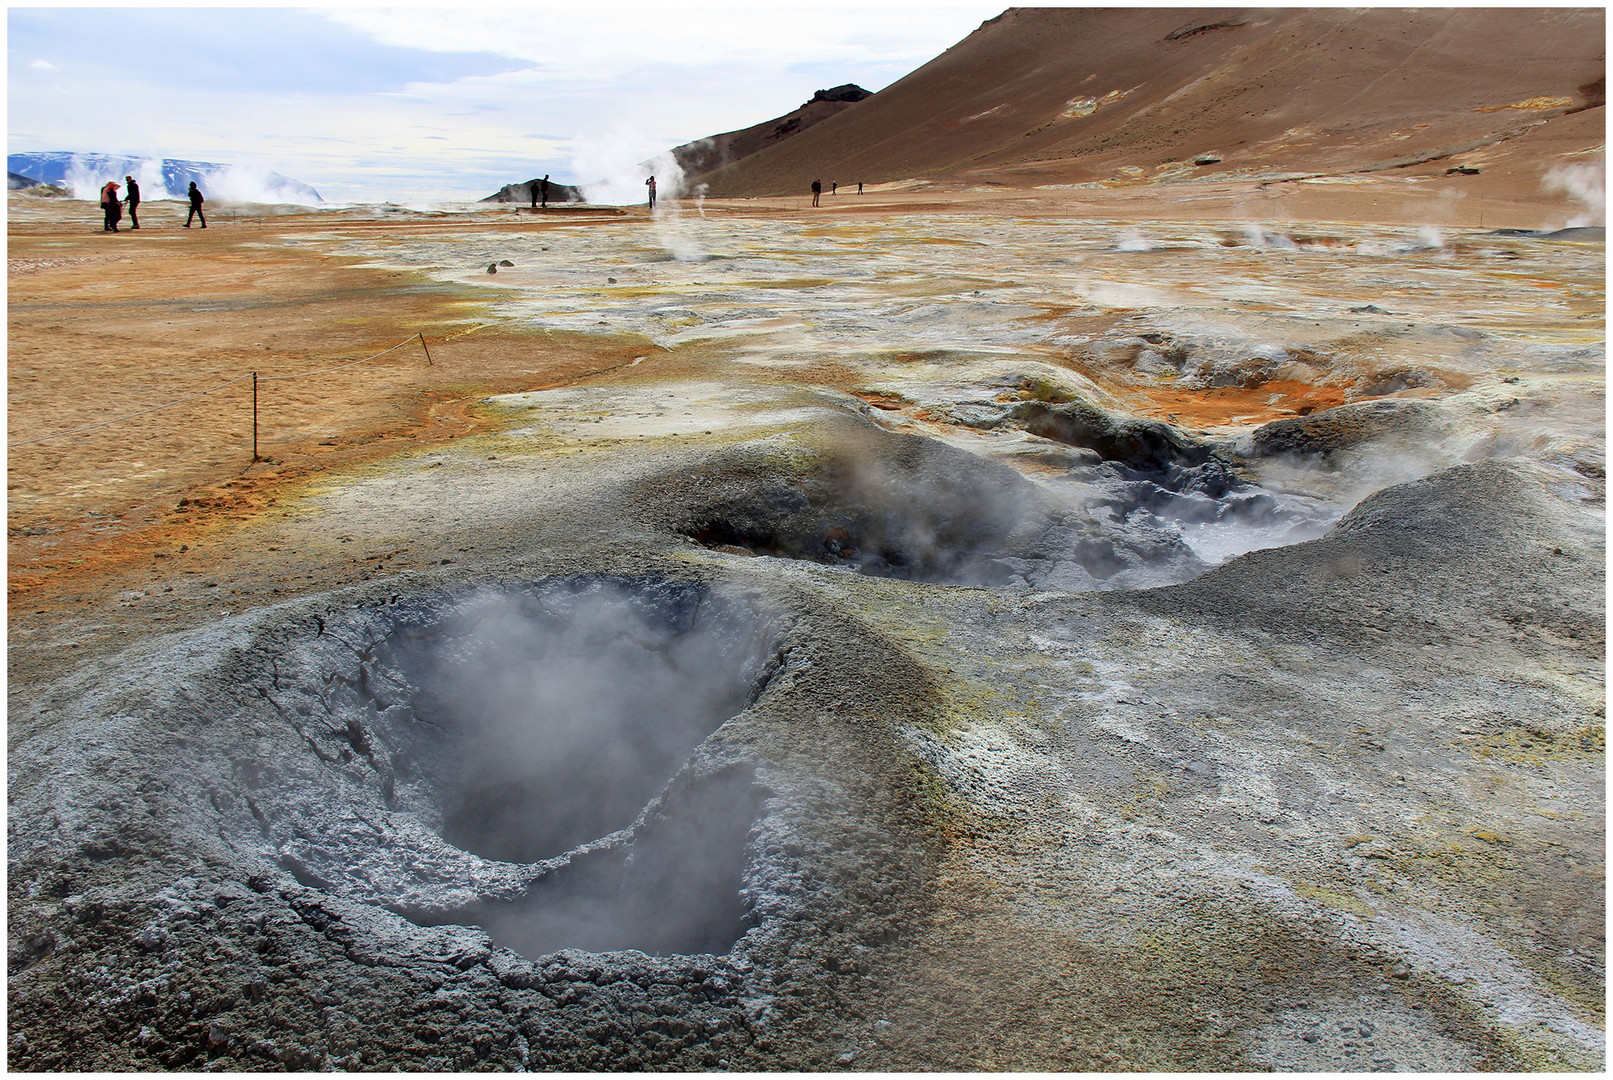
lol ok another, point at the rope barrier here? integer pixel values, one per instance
(254, 376)
(339, 367)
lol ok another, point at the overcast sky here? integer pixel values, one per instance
(423, 103)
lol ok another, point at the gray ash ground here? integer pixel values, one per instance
(740, 725)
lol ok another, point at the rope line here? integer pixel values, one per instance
(338, 367)
(209, 390)
(131, 416)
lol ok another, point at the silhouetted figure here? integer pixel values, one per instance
(132, 199)
(532, 190)
(859, 187)
(543, 190)
(650, 183)
(195, 206)
(110, 207)
(817, 189)
(834, 187)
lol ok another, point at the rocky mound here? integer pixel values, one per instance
(523, 193)
(703, 155)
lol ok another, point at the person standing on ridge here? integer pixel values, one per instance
(543, 190)
(133, 201)
(817, 189)
(110, 207)
(532, 191)
(195, 206)
(650, 183)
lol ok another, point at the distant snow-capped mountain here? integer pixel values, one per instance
(159, 178)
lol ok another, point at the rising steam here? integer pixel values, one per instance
(1586, 185)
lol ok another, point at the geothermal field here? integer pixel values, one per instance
(1085, 603)
(934, 634)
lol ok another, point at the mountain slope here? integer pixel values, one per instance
(1084, 95)
(703, 155)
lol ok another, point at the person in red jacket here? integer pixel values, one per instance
(111, 206)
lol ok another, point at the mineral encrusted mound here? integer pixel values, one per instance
(903, 506)
(282, 840)
(1139, 444)
(1328, 435)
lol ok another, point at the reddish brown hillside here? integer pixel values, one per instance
(1080, 95)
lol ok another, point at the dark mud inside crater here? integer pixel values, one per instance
(539, 739)
(543, 717)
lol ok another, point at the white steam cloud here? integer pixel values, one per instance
(246, 183)
(622, 173)
(86, 174)
(1259, 236)
(1586, 185)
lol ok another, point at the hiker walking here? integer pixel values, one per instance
(650, 183)
(817, 189)
(132, 200)
(543, 190)
(195, 206)
(834, 187)
(110, 207)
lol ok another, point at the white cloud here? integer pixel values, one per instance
(591, 87)
(42, 65)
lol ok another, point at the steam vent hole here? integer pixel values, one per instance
(550, 716)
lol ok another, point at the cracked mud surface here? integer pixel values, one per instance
(1107, 676)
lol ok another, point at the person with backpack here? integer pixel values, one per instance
(195, 206)
(817, 190)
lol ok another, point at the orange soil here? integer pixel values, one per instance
(102, 326)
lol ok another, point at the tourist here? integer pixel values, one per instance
(532, 190)
(817, 189)
(195, 206)
(543, 190)
(110, 207)
(132, 199)
(834, 187)
(859, 187)
(650, 183)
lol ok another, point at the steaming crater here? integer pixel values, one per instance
(534, 752)
(905, 506)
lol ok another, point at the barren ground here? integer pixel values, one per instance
(1101, 764)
